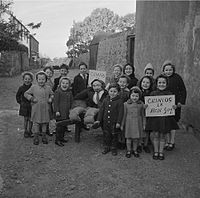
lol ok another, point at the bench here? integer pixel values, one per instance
(77, 127)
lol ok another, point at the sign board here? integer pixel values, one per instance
(94, 74)
(160, 105)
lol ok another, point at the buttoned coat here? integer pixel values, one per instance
(111, 112)
(133, 119)
(40, 109)
(63, 103)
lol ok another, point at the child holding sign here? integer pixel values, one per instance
(161, 125)
(133, 121)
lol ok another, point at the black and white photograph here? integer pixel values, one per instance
(99, 99)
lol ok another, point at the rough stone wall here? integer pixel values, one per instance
(171, 30)
(13, 62)
(111, 51)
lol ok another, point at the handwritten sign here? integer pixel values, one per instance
(160, 105)
(94, 74)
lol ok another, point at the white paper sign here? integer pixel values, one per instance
(94, 74)
(160, 105)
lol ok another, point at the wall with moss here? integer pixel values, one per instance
(171, 30)
(111, 51)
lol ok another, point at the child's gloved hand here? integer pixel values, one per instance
(174, 106)
(117, 125)
(179, 104)
(57, 114)
(34, 100)
(50, 100)
(145, 106)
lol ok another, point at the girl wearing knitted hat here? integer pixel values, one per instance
(177, 87)
(149, 71)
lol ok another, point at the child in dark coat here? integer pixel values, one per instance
(110, 117)
(62, 104)
(25, 105)
(160, 125)
(177, 87)
(81, 80)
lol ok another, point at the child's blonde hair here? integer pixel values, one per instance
(64, 78)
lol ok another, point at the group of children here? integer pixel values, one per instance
(118, 108)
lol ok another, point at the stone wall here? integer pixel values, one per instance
(111, 51)
(84, 58)
(13, 62)
(171, 30)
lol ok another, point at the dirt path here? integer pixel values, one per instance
(81, 171)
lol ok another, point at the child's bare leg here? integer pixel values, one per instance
(146, 140)
(26, 123)
(135, 146)
(26, 119)
(36, 129)
(155, 141)
(162, 143)
(172, 139)
(128, 144)
(44, 129)
(161, 146)
(155, 145)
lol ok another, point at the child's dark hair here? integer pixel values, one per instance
(48, 67)
(64, 66)
(65, 78)
(41, 73)
(126, 77)
(129, 64)
(29, 74)
(82, 63)
(150, 80)
(162, 76)
(114, 85)
(137, 90)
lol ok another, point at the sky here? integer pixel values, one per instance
(57, 18)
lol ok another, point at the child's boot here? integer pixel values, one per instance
(114, 151)
(36, 139)
(26, 134)
(44, 138)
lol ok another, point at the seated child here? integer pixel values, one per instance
(93, 96)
